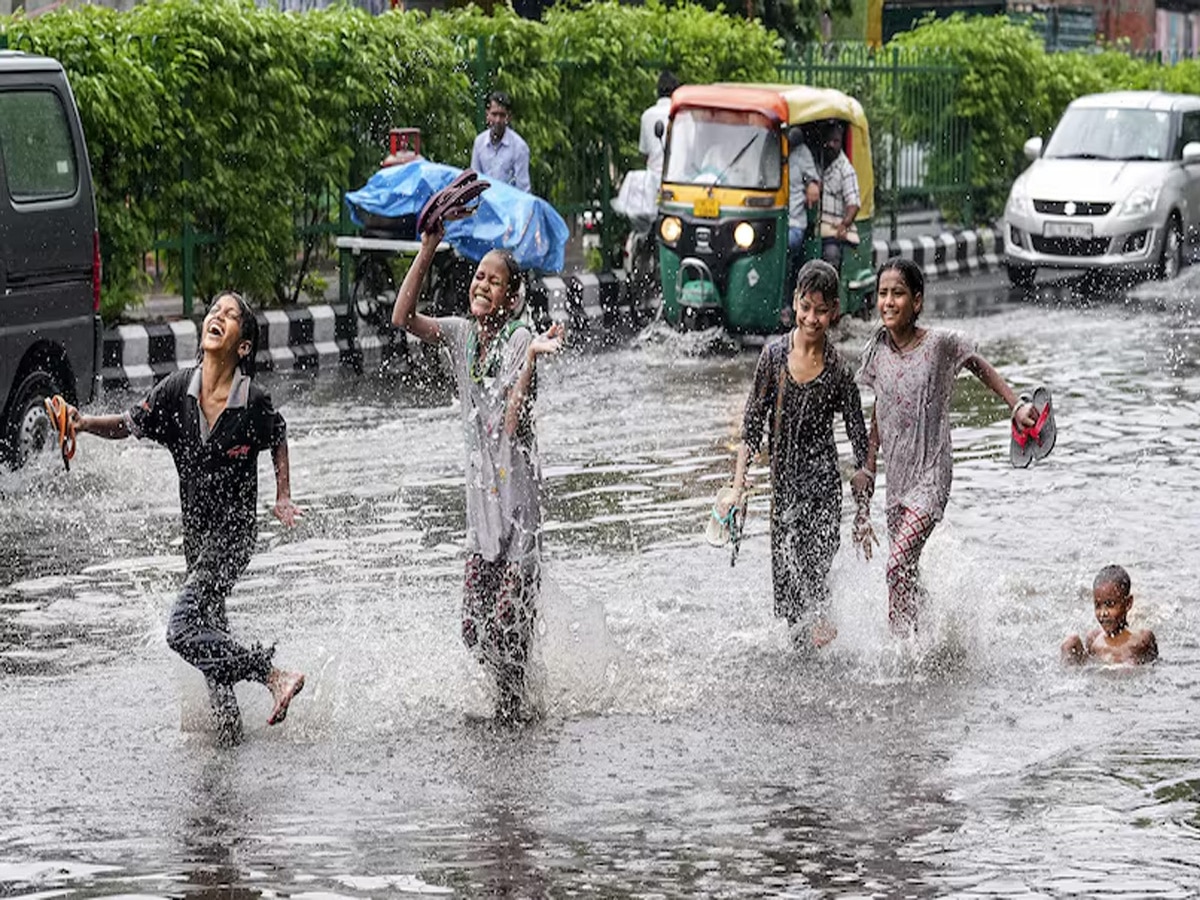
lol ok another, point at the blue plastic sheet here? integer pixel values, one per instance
(507, 218)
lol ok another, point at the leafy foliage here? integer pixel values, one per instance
(244, 125)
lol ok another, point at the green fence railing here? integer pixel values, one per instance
(920, 148)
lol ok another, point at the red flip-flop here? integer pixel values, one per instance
(56, 409)
(1035, 442)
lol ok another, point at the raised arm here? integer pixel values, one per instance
(404, 311)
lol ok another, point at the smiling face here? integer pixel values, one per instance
(898, 307)
(814, 314)
(221, 332)
(1112, 607)
(489, 288)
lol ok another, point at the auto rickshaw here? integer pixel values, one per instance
(723, 208)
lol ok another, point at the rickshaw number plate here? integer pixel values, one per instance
(707, 207)
(1068, 229)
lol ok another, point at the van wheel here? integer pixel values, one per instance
(1171, 259)
(27, 429)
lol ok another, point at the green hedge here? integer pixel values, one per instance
(1012, 89)
(251, 122)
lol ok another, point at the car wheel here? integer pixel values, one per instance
(27, 429)
(1171, 259)
(1021, 276)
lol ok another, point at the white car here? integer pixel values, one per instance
(1116, 187)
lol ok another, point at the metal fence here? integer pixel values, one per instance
(921, 149)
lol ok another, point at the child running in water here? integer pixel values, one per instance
(215, 421)
(912, 370)
(494, 357)
(1113, 641)
(800, 382)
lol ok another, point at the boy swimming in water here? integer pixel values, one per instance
(1113, 641)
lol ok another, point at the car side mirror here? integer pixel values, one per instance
(1033, 148)
(1191, 153)
(659, 129)
(795, 136)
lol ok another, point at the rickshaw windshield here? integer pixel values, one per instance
(724, 148)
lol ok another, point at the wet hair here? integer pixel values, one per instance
(667, 83)
(247, 331)
(914, 280)
(820, 277)
(1115, 575)
(500, 98)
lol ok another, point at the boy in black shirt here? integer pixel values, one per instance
(215, 421)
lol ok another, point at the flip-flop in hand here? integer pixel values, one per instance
(64, 417)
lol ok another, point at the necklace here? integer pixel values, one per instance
(489, 365)
(912, 341)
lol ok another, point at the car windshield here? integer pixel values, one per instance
(724, 148)
(1124, 134)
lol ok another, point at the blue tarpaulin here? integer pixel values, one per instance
(507, 218)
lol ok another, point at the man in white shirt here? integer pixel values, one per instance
(500, 154)
(650, 144)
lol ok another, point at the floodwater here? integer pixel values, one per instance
(686, 749)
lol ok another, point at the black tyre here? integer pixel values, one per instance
(1021, 276)
(374, 290)
(1170, 260)
(26, 427)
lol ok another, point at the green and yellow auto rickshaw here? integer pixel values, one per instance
(722, 227)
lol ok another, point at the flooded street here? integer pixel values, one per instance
(686, 749)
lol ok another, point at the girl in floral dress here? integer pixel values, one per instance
(912, 370)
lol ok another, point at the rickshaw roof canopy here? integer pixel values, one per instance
(789, 104)
(793, 104)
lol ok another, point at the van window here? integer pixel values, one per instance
(35, 139)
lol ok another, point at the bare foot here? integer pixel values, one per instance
(284, 686)
(823, 632)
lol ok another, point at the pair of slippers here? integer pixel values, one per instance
(457, 200)
(727, 528)
(56, 409)
(1034, 443)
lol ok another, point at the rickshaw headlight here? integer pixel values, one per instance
(671, 229)
(743, 235)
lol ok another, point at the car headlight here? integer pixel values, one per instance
(1140, 202)
(743, 235)
(1018, 200)
(671, 229)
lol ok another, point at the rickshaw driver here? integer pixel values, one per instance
(804, 191)
(840, 197)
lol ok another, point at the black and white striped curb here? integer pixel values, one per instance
(137, 356)
(949, 253)
(321, 337)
